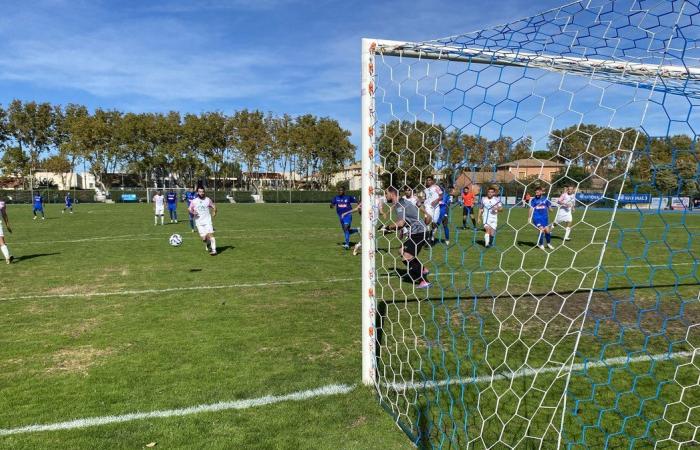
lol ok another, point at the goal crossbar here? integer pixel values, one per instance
(665, 77)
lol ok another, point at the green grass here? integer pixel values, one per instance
(284, 317)
(63, 358)
(515, 307)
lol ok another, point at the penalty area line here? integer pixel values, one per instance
(175, 289)
(325, 391)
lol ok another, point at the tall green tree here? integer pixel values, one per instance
(32, 127)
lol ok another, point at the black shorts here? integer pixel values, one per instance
(468, 211)
(414, 244)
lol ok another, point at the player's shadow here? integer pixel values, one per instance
(220, 250)
(527, 243)
(34, 255)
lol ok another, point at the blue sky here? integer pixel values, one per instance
(293, 56)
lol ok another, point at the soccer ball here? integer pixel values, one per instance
(175, 240)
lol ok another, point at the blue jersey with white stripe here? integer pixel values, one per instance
(540, 206)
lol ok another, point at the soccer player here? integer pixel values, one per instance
(489, 208)
(189, 196)
(433, 195)
(408, 195)
(343, 204)
(3, 245)
(68, 203)
(172, 205)
(444, 217)
(378, 210)
(539, 216)
(38, 206)
(204, 210)
(408, 214)
(158, 207)
(468, 198)
(565, 213)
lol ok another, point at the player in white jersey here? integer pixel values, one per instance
(565, 213)
(408, 195)
(158, 207)
(3, 245)
(433, 195)
(489, 207)
(204, 210)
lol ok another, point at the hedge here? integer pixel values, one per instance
(49, 196)
(302, 196)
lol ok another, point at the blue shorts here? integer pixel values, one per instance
(347, 220)
(68, 205)
(540, 223)
(172, 207)
(38, 208)
(443, 214)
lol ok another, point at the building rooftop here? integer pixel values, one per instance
(533, 163)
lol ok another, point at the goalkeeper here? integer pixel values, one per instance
(408, 214)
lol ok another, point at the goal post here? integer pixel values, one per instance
(570, 321)
(369, 183)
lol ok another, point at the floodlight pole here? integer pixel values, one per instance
(369, 182)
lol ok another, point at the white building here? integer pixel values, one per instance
(352, 174)
(66, 181)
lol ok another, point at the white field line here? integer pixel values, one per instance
(176, 289)
(325, 391)
(330, 390)
(299, 282)
(144, 236)
(618, 361)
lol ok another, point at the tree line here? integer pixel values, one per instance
(591, 153)
(170, 148)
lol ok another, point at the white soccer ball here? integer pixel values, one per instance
(175, 240)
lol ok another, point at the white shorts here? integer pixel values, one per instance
(564, 216)
(434, 213)
(2, 233)
(205, 228)
(492, 222)
(160, 210)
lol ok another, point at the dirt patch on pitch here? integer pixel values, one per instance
(81, 328)
(77, 360)
(326, 352)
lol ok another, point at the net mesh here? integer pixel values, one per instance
(594, 343)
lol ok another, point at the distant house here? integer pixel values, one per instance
(519, 170)
(66, 181)
(352, 174)
(271, 180)
(523, 169)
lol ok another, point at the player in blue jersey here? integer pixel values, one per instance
(539, 216)
(189, 196)
(171, 198)
(68, 203)
(342, 204)
(444, 215)
(38, 206)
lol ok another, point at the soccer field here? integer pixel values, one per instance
(101, 317)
